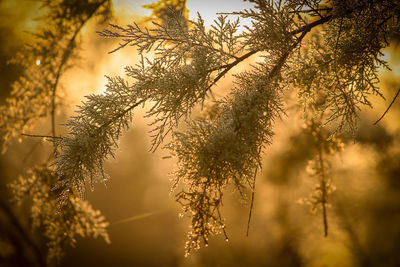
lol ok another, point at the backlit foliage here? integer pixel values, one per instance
(319, 167)
(327, 52)
(163, 10)
(175, 81)
(60, 229)
(45, 59)
(337, 60)
(226, 150)
(51, 51)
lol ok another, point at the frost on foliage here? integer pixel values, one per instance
(93, 136)
(179, 76)
(222, 151)
(327, 51)
(60, 229)
(342, 63)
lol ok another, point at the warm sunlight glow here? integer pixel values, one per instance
(209, 9)
(270, 142)
(132, 6)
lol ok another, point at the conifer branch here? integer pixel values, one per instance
(303, 30)
(228, 67)
(64, 59)
(308, 27)
(226, 150)
(121, 114)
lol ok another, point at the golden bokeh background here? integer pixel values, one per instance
(145, 230)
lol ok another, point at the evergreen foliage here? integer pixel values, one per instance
(37, 94)
(338, 63)
(60, 230)
(328, 52)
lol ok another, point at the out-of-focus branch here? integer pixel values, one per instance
(25, 236)
(67, 53)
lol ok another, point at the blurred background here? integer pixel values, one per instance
(145, 229)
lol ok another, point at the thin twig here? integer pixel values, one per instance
(250, 211)
(323, 186)
(311, 10)
(311, 25)
(66, 54)
(386, 111)
(121, 114)
(42, 136)
(230, 66)
(253, 187)
(223, 226)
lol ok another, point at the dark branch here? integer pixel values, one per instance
(66, 54)
(42, 136)
(386, 111)
(228, 67)
(121, 114)
(23, 233)
(311, 10)
(311, 25)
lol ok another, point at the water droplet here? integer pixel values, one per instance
(38, 62)
(227, 239)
